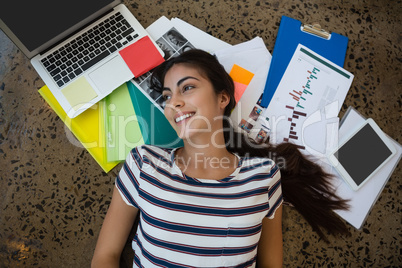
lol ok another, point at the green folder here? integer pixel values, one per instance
(155, 128)
(121, 125)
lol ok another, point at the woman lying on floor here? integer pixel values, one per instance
(216, 201)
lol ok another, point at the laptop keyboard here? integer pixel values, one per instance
(80, 54)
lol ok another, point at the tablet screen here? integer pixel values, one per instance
(362, 154)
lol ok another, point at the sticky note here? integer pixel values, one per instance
(241, 75)
(239, 90)
(141, 56)
(79, 93)
(241, 78)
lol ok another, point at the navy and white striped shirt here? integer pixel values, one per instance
(189, 222)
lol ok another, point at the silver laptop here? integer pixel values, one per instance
(74, 45)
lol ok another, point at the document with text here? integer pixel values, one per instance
(304, 109)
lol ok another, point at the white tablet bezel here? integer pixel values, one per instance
(341, 170)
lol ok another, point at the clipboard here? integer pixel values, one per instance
(291, 33)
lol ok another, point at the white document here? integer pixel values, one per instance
(362, 201)
(255, 58)
(199, 38)
(304, 109)
(177, 35)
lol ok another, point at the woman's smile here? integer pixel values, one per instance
(182, 116)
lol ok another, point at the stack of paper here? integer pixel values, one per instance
(248, 64)
(362, 201)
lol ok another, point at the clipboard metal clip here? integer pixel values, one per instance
(316, 29)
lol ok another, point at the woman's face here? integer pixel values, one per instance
(192, 106)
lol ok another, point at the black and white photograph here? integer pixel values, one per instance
(175, 39)
(166, 48)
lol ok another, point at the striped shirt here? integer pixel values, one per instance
(190, 222)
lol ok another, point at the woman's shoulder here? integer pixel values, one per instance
(149, 154)
(258, 165)
(257, 161)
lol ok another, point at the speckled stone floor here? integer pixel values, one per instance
(53, 195)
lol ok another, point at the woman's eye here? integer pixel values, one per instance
(166, 97)
(185, 88)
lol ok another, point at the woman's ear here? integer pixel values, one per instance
(224, 99)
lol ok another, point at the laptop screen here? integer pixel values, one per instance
(35, 23)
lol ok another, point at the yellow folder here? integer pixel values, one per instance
(87, 128)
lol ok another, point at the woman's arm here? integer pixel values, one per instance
(270, 247)
(114, 233)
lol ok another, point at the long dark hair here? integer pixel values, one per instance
(304, 184)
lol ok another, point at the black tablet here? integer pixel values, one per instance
(363, 153)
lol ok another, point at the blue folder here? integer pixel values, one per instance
(290, 34)
(155, 128)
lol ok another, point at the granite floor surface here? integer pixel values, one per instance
(54, 196)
